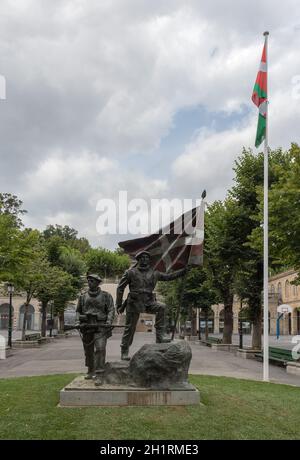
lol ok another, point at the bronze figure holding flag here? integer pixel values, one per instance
(141, 280)
(162, 256)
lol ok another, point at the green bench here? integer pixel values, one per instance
(280, 356)
(211, 341)
(32, 337)
(214, 340)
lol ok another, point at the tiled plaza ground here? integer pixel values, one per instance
(66, 355)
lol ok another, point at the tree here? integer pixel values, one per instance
(12, 251)
(284, 213)
(71, 261)
(184, 295)
(61, 254)
(66, 236)
(31, 274)
(65, 233)
(62, 297)
(172, 293)
(12, 206)
(80, 244)
(198, 294)
(247, 194)
(53, 246)
(55, 285)
(222, 250)
(10, 254)
(106, 263)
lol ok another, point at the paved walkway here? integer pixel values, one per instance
(66, 356)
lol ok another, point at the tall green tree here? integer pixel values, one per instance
(173, 295)
(61, 254)
(198, 294)
(184, 295)
(284, 213)
(72, 262)
(106, 263)
(11, 205)
(12, 248)
(63, 297)
(11, 255)
(222, 250)
(247, 194)
(66, 236)
(65, 232)
(31, 274)
(54, 286)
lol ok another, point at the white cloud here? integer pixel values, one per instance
(65, 190)
(207, 161)
(91, 83)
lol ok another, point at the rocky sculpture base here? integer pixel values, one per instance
(156, 375)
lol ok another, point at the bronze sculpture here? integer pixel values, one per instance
(94, 316)
(142, 279)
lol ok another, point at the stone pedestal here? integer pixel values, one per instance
(191, 338)
(246, 353)
(2, 347)
(224, 347)
(26, 344)
(81, 392)
(293, 367)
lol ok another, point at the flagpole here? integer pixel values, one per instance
(266, 243)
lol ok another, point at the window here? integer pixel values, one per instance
(279, 290)
(287, 289)
(295, 291)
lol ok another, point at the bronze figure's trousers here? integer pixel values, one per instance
(95, 350)
(158, 309)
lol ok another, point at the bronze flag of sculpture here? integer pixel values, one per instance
(174, 246)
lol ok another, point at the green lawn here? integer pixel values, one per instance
(229, 409)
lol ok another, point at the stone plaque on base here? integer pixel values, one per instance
(81, 392)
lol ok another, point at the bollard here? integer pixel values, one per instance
(2, 347)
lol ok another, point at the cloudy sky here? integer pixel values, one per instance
(151, 97)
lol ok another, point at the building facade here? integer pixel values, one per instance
(145, 323)
(281, 292)
(33, 317)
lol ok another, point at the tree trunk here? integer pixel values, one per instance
(194, 322)
(228, 321)
(256, 330)
(61, 322)
(24, 325)
(206, 324)
(44, 319)
(176, 322)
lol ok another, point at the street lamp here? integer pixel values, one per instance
(10, 290)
